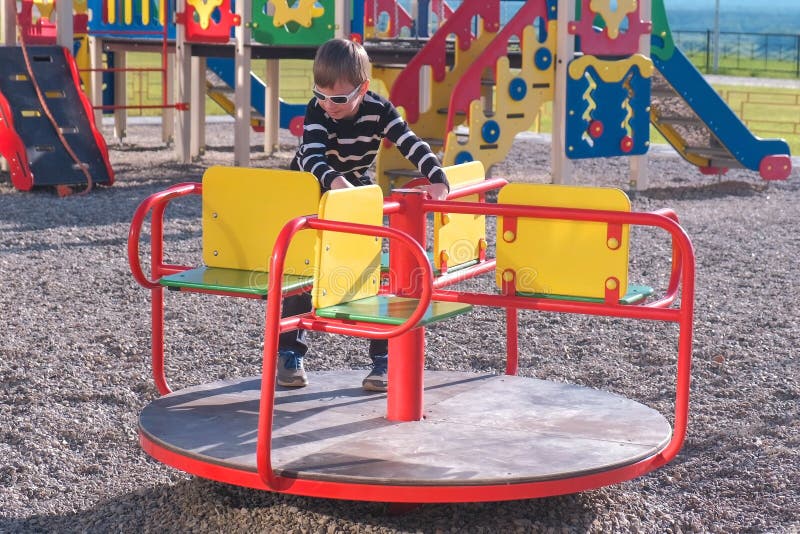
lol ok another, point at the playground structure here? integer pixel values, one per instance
(479, 80)
(47, 134)
(436, 436)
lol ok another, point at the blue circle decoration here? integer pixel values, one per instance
(490, 131)
(463, 157)
(543, 59)
(517, 89)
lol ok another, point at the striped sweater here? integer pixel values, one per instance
(348, 147)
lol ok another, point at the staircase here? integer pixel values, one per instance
(428, 73)
(222, 94)
(492, 103)
(473, 110)
(220, 80)
(672, 116)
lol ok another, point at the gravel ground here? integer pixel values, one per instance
(75, 363)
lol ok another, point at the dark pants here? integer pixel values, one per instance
(295, 340)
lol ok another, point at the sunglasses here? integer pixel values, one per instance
(337, 99)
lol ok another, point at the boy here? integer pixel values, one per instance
(344, 126)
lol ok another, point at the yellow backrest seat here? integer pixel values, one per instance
(244, 210)
(563, 258)
(348, 265)
(459, 238)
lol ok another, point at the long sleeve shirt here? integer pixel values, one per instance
(348, 147)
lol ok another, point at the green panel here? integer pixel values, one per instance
(635, 294)
(662, 46)
(230, 280)
(389, 309)
(321, 29)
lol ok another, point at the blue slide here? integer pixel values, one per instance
(224, 68)
(695, 119)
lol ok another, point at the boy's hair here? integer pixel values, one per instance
(340, 59)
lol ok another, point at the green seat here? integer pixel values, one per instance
(634, 295)
(390, 309)
(231, 281)
(347, 278)
(243, 212)
(436, 272)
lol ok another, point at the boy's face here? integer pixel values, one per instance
(341, 88)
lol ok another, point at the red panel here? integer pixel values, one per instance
(40, 32)
(599, 43)
(217, 31)
(398, 17)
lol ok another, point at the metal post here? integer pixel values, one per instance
(183, 82)
(716, 36)
(9, 29)
(272, 107)
(9, 26)
(96, 76)
(121, 95)
(197, 107)
(561, 165)
(64, 35)
(797, 56)
(168, 112)
(342, 15)
(241, 98)
(639, 177)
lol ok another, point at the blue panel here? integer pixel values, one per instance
(619, 109)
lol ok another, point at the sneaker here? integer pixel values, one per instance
(377, 379)
(290, 370)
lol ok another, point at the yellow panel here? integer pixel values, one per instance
(245, 209)
(45, 8)
(613, 15)
(611, 70)
(349, 265)
(111, 10)
(458, 236)
(559, 257)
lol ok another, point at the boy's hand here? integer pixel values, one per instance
(436, 191)
(340, 183)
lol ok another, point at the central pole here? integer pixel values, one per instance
(406, 352)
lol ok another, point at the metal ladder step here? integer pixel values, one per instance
(444, 111)
(676, 119)
(709, 151)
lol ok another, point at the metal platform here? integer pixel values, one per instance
(478, 430)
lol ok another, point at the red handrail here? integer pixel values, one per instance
(675, 275)
(273, 328)
(682, 275)
(158, 203)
